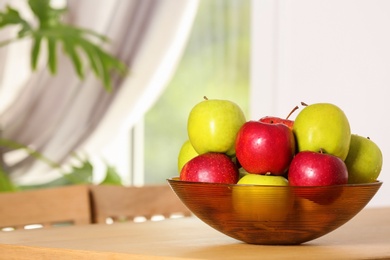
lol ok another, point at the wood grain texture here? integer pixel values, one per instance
(26, 253)
(126, 203)
(365, 236)
(69, 204)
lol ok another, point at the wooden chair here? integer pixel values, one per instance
(68, 205)
(117, 203)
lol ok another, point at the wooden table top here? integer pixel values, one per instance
(365, 236)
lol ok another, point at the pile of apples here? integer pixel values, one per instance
(315, 149)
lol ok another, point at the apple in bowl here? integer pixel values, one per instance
(364, 160)
(210, 167)
(314, 169)
(265, 147)
(213, 124)
(259, 204)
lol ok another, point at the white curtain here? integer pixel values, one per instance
(57, 115)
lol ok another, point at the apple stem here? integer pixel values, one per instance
(205, 98)
(321, 150)
(304, 104)
(292, 111)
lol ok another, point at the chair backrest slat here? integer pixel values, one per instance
(126, 203)
(45, 207)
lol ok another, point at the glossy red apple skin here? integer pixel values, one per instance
(277, 120)
(318, 169)
(263, 147)
(210, 167)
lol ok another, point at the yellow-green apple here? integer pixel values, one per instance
(364, 160)
(270, 203)
(213, 125)
(266, 179)
(323, 126)
(265, 148)
(186, 153)
(318, 169)
(210, 167)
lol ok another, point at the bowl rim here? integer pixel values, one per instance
(176, 179)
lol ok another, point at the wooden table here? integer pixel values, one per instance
(365, 236)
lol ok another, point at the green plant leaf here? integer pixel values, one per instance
(92, 56)
(11, 17)
(81, 175)
(105, 72)
(110, 64)
(76, 175)
(78, 43)
(80, 172)
(112, 177)
(35, 51)
(6, 184)
(37, 155)
(41, 8)
(52, 57)
(46, 15)
(70, 49)
(61, 181)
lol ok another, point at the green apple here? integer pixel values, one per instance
(323, 127)
(213, 125)
(187, 152)
(259, 179)
(364, 160)
(259, 203)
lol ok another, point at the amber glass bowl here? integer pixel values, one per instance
(274, 215)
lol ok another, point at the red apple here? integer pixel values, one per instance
(263, 147)
(318, 169)
(210, 167)
(278, 120)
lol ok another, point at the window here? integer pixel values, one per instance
(215, 64)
